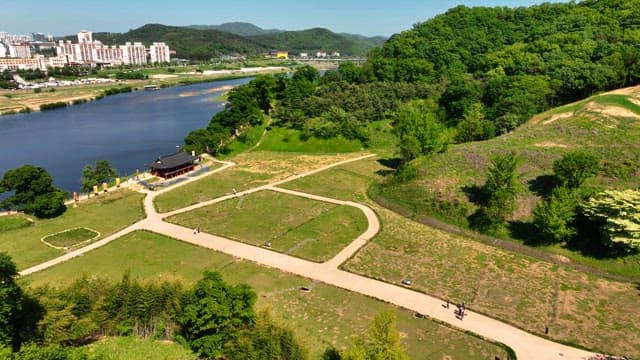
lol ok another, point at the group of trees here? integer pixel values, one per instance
(30, 189)
(96, 175)
(214, 319)
(247, 105)
(603, 222)
(496, 67)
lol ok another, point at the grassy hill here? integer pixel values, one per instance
(607, 124)
(317, 39)
(187, 42)
(238, 28)
(202, 42)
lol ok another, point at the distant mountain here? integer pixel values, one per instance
(202, 42)
(238, 28)
(318, 39)
(187, 42)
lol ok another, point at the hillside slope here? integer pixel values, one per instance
(187, 42)
(607, 124)
(238, 28)
(318, 39)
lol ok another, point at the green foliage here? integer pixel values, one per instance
(123, 89)
(34, 192)
(349, 72)
(617, 216)
(213, 311)
(247, 106)
(419, 131)
(500, 191)
(265, 340)
(53, 106)
(188, 43)
(575, 167)
(316, 39)
(18, 313)
(10, 300)
(516, 61)
(554, 218)
(93, 176)
(474, 125)
(381, 341)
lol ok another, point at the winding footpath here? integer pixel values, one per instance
(527, 346)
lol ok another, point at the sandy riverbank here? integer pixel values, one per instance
(20, 100)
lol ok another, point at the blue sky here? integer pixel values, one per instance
(372, 17)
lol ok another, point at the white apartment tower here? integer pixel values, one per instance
(20, 50)
(159, 53)
(134, 54)
(85, 36)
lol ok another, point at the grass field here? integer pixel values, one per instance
(531, 294)
(325, 317)
(253, 169)
(293, 225)
(209, 187)
(14, 222)
(608, 125)
(106, 214)
(130, 348)
(288, 140)
(71, 237)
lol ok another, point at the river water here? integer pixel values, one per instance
(128, 129)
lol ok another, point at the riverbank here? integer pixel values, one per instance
(24, 101)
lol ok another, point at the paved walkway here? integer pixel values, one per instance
(527, 346)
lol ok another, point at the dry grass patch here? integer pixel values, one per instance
(325, 317)
(528, 293)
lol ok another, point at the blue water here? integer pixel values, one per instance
(128, 129)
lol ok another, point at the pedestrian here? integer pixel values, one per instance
(546, 330)
(198, 230)
(235, 192)
(195, 231)
(447, 306)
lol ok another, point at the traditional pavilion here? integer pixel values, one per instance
(168, 166)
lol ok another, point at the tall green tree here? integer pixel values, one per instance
(213, 312)
(380, 342)
(554, 218)
(500, 190)
(575, 167)
(419, 131)
(34, 192)
(92, 176)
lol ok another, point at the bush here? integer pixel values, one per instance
(53, 106)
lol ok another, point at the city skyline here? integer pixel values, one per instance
(370, 18)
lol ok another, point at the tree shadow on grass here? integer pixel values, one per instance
(475, 194)
(526, 232)
(331, 354)
(391, 166)
(543, 185)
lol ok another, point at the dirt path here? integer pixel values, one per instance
(526, 345)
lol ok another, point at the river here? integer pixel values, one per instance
(128, 129)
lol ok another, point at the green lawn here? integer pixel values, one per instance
(14, 222)
(288, 140)
(294, 225)
(530, 294)
(71, 237)
(325, 317)
(106, 214)
(209, 187)
(130, 348)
